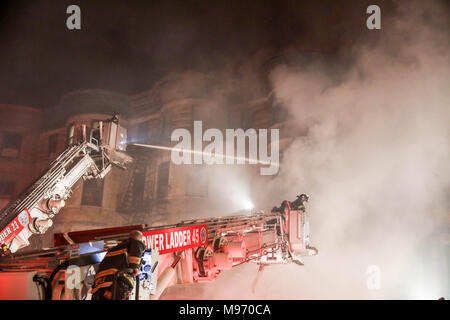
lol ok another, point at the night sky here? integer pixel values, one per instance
(126, 46)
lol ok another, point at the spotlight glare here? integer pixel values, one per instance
(248, 205)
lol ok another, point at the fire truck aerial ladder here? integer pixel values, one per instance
(192, 251)
(33, 211)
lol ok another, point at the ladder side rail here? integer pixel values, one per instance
(63, 154)
(78, 171)
(49, 179)
(230, 218)
(60, 176)
(238, 221)
(31, 190)
(26, 202)
(37, 193)
(42, 181)
(31, 200)
(51, 176)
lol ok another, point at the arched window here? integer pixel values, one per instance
(10, 144)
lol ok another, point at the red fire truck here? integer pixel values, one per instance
(192, 251)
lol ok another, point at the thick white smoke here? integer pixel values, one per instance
(375, 161)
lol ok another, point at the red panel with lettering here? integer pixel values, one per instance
(15, 227)
(176, 239)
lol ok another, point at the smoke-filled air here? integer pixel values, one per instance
(364, 131)
(374, 158)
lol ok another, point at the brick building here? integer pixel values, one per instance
(19, 139)
(152, 190)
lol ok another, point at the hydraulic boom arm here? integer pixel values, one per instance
(32, 212)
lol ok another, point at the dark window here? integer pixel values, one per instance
(143, 132)
(92, 192)
(139, 185)
(163, 180)
(246, 120)
(52, 144)
(165, 128)
(153, 129)
(279, 114)
(203, 114)
(10, 144)
(196, 183)
(234, 120)
(6, 188)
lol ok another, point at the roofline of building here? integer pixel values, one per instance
(9, 105)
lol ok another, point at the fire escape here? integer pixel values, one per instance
(135, 202)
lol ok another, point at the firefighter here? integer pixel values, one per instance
(299, 203)
(281, 208)
(118, 259)
(114, 118)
